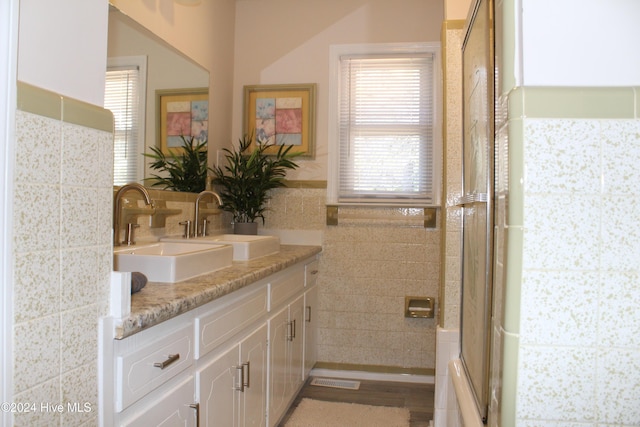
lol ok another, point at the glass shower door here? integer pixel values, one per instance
(478, 116)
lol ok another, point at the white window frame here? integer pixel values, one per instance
(141, 63)
(333, 179)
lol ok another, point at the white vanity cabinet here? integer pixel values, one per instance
(231, 348)
(286, 338)
(238, 360)
(231, 389)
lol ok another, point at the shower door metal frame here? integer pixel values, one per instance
(477, 200)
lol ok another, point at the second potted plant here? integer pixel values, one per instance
(247, 177)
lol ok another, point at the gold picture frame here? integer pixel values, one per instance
(181, 112)
(282, 114)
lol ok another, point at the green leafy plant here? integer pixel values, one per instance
(183, 171)
(248, 176)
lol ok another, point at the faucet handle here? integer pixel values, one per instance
(128, 235)
(203, 232)
(187, 228)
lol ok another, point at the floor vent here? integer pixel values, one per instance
(335, 383)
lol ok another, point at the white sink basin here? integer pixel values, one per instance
(245, 247)
(173, 262)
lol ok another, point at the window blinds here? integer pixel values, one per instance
(121, 97)
(386, 128)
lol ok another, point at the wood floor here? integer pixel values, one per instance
(418, 398)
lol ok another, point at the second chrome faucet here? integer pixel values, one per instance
(200, 225)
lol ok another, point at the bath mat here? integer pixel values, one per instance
(317, 413)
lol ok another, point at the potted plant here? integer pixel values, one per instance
(185, 170)
(246, 179)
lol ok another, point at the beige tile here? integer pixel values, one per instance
(619, 245)
(38, 148)
(617, 384)
(79, 277)
(37, 285)
(618, 323)
(78, 217)
(36, 352)
(574, 325)
(80, 156)
(41, 399)
(36, 217)
(104, 217)
(79, 388)
(79, 328)
(620, 151)
(570, 167)
(559, 383)
(564, 230)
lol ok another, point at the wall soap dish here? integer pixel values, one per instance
(418, 307)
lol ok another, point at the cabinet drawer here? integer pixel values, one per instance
(140, 371)
(286, 287)
(176, 407)
(311, 274)
(217, 326)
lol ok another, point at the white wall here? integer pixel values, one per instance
(580, 43)
(63, 47)
(287, 41)
(456, 9)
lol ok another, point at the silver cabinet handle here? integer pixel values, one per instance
(196, 406)
(172, 358)
(294, 329)
(308, 319)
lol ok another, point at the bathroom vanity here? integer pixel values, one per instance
(229, 348)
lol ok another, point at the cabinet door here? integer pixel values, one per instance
(296, 344)
(278, 360)
(215, 391)
(253, 399)
(310, 330)
(175, 408)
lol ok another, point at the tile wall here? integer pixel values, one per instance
(571, 326)
(452, 38)
(62, 253)
(366, 269)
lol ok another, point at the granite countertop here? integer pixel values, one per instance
(157, 302)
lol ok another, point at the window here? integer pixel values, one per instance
(125, 96)
(385, 125)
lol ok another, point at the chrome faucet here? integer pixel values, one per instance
(117, 208)
(201, 196)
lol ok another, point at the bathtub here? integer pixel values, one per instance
(454, 405)
(468, 415)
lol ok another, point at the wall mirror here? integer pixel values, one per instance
(163, 70)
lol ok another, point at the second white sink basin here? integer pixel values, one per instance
(172, 262)
(245, 247)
